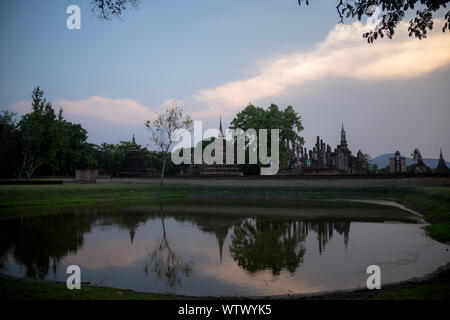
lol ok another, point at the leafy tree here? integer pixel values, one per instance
(372, 168)
(393, 11)
(42, 142)
(164, 131)
(384, 170)
(37, 129)
(287, 121)
(415, 154)
(111, 156)
(9, 144)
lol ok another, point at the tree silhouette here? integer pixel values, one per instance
(393, 11)
(106, 9)
(165, 129)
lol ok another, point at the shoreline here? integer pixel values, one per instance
(440, 276)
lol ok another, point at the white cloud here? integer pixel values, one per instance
(344, 53)
(114, 111)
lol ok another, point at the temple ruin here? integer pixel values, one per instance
(322, 160)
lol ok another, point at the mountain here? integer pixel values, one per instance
(382, 161)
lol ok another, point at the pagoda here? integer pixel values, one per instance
(223, 169)
(216, 169)
(442, 167)
(133, 166)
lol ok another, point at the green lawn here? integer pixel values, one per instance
(433, 291)
(48, 290)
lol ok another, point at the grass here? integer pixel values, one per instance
(11, 289)
(432, 291)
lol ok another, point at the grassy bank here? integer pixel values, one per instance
(12, 289)
(433, 202)
(436, 288)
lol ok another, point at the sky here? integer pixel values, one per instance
(215, 57)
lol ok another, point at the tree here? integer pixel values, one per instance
(9, 144)
(393, 11)
(36, 129)
(105, 9)
(287, 121)
(164, 130)
(42, 141)
(415, 154)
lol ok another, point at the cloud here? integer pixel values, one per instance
(343, 54)
(114, 111)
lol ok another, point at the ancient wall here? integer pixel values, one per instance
(86, 175)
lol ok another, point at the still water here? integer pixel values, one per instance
(175, 250)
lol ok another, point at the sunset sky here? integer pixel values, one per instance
(215, 57)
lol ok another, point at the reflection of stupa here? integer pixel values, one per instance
(133, 166)
(131, 221)
(218, 226)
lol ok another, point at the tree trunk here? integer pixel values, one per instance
(163, 169)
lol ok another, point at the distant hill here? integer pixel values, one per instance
(382, 161)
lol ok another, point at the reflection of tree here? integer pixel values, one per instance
(261, 245)
(41, 242)
(163, 261)
(325, 231)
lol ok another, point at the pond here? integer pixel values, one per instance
(220, 250)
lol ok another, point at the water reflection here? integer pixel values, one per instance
(39, 244)
(163, 261)
(173, 250)
(263, 245)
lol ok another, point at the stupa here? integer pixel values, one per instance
(442, 167)
(133, 166)
(216, 169)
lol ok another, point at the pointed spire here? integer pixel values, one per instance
(442, 166)
(343, 138)
(221, 135)
(133, 142)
